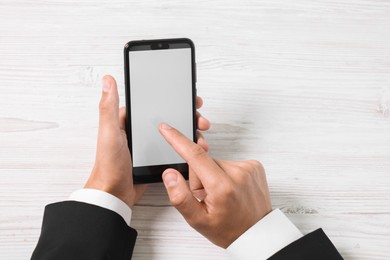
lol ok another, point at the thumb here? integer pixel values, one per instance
(181, 197)
(109, 106)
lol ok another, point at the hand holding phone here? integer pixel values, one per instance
(112, 171)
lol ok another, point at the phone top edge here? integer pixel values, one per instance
(135, 43)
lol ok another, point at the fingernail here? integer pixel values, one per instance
(170, 179)
(106, 85)
(165, 126)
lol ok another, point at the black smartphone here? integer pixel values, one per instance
(160, 81)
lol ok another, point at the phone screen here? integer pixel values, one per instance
(161, 90)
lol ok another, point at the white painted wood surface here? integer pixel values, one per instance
(303, 86)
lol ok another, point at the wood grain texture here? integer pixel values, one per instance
(303, 86)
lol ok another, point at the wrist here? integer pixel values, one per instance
(123, 194)
(103, 199)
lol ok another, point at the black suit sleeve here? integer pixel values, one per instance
(76, 230)
(315, 245)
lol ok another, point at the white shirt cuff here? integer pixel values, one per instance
(265, 238)
(104, 200)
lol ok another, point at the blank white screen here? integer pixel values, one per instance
(160, 91)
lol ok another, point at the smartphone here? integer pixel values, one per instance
(160, 81)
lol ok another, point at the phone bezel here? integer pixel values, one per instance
(153, 173)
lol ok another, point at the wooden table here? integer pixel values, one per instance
(303, 86)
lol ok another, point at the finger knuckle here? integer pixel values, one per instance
(230, 191)
(243, 173)
(255, 167)
(197, 151)
(244, 178)
(178, 199)
(246, 167)
(227, 188)
(256, 164)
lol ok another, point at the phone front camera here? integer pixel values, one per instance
(159, 45)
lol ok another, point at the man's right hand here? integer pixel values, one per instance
(224, 198)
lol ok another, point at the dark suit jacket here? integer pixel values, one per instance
(75, 230)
